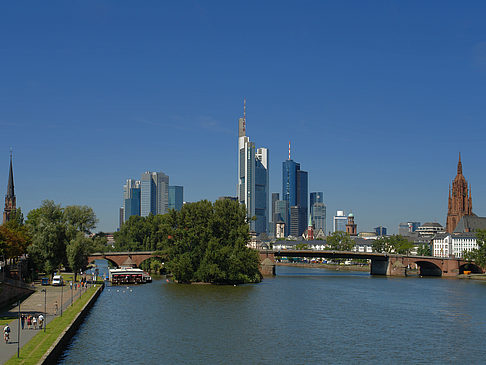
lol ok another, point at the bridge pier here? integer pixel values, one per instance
(379, 267)
(267, 263)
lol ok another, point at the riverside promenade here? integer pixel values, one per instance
(34, 305)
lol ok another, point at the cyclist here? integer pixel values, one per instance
(6, 333)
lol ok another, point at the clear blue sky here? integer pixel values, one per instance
(377, 97)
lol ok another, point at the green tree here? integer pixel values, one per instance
(478, 255)
(77, 253)
(423, 250)
(382, 245)
(49, 238)
(79, 218)
(302, 246)
(393, 244)
(340, 241)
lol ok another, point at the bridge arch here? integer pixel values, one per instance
(427, 268)
(148, 258)
(92, 259)
(469, 266)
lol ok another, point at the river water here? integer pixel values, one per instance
(301, 316)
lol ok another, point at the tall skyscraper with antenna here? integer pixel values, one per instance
(253, 180)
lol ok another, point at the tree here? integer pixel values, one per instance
(340, 241)
(478, 255)
(423, 250)
(301, 246)
(79, 218)
(381, 245)
(393, 244)
(48, 231)
(77, 253)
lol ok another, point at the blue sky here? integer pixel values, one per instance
(377, 98)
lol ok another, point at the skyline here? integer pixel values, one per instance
(377, 102)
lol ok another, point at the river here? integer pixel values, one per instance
(301, 316)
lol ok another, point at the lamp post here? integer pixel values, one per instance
(72, 292)
(18, 334)
(62, 289)
(45, 308)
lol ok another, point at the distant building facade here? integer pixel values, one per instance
(154, 193)
(453, 244)
(380, 231)
(176, 197)
(430, 228)
(460, 200)
(351, 227)
(318, 211)
(253, 178)
(406, 228)
(131, 198)
(339, 222)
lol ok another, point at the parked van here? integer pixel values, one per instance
(57, 280)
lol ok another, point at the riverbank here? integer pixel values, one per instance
(335, 267)
(44, 347)
(473, 276)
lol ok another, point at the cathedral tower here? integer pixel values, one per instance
(10, 204)
(460, 202)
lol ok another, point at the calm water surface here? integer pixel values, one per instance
(301, 316)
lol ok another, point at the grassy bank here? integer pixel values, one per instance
(33, 351)
(335, 267)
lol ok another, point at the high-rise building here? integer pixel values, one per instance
(131, 199)
(10, 199)
(154, 193)
(339, 221)
(405, 228)
(318, 211)
(253, 180)
(460, 201)
(380, 231)
(281, 214)
(295, 192)
(176, 197)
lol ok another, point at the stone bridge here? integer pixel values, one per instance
(123, 258)
(381, 263)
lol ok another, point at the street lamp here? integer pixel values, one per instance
(18, 335)
(45, 308)
(62, 288)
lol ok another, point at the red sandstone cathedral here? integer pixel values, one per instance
(460, 202)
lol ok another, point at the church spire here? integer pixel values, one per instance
(459, 165)
(10, 186)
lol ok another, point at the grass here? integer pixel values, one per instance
(33, 351)
(6, 319)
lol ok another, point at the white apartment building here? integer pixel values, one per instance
(455, 244)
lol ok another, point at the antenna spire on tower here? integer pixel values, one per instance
(289, 150)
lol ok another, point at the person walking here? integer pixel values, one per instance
(41, 321)
(22, 320)
(34, 322)
(56, 307)
(29, 321)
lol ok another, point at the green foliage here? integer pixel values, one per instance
(340, 241)
(77, 252)
(393, 244)
(302, 246)
(424, 250)
(79, 218)
(203, 242)
(478, 255)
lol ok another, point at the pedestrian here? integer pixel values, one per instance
(56, 307)
(29, 321)
(22, 320)
(41, 321)
(34, 322)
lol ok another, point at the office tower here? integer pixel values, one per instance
(131, 199)
(405, 228)
(295, 192)
(340, 221)
(10, 199)
(176, 197)
(253, 181)
(315, 197)
(282, 213)
(319, 217)
(121, 217)
(275, 197)
(154, 193)
(380, 231)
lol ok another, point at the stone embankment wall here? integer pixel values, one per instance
(52, 355)
(10, 293)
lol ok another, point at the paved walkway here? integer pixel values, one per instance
(34, 305)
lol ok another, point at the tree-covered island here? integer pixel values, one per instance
(203, 242)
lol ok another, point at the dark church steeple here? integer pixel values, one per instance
(10, 204)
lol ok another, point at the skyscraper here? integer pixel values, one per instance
(318, 211)
(10, 199)
(340, 221)
(154, 193)
(176, 197)
(252, 178)
(131, 199)
(295, 192)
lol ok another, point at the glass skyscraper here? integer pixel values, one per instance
(318, 211)
(295, 192)
(253, 179)
(154, 193)
(176, 197)
(131, 199)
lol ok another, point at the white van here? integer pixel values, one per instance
(57, 280)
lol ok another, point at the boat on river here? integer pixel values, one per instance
(128, 275)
